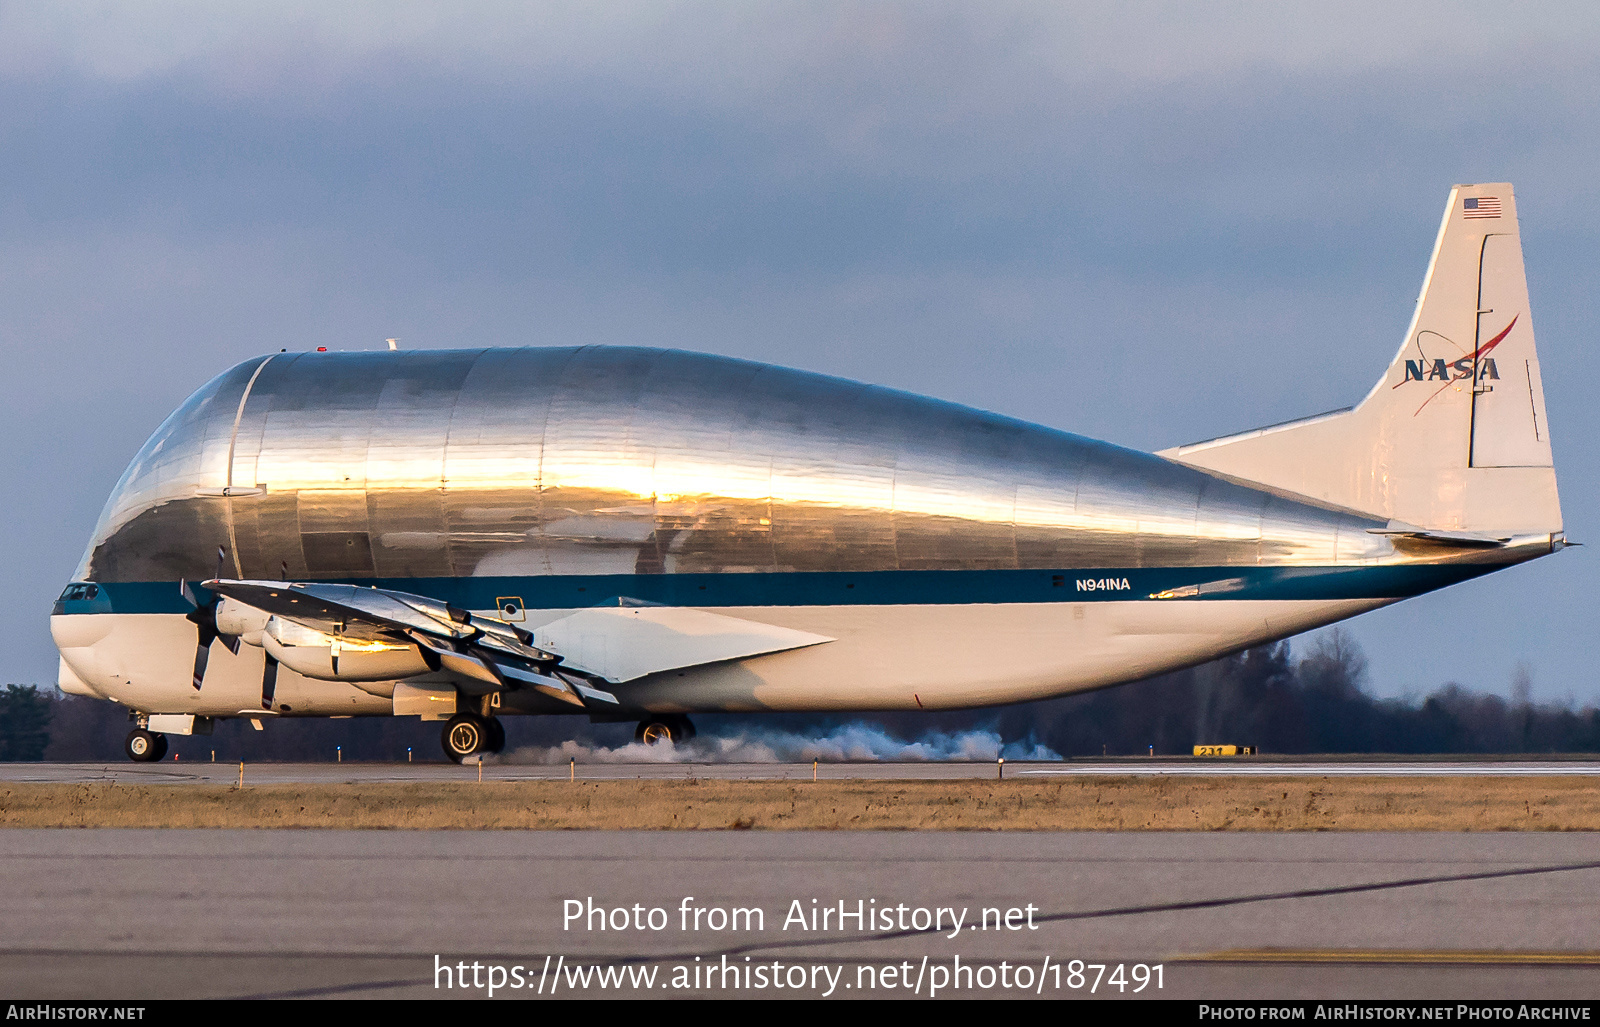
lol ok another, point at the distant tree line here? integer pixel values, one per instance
(25, 715)
(1317, 704)
(1264, 697)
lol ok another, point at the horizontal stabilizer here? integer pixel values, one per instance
(1458, 538)
(621, 643)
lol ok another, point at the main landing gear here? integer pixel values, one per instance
(145, 747)
(466, 734)
(664, 727)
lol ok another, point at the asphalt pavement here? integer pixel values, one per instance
(119, 914)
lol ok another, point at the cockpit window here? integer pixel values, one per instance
(80, 590)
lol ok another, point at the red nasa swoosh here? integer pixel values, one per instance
(1476, 355)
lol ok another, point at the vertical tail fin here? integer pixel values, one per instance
(1455, 435)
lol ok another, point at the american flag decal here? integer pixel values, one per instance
(1480, 207)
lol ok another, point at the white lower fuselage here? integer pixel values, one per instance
(900, 657)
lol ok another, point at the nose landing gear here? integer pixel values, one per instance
(145, 747)
(666, 727)
(467, 733)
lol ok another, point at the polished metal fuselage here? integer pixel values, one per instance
(510, 462)
(567, 477)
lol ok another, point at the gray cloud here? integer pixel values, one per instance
(727, 51)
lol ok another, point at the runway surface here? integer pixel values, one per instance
(285, 773)
(130, 914)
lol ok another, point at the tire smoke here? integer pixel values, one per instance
(849, 743)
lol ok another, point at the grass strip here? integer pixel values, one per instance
(1166, 803)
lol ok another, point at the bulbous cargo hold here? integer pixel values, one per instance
(602, 461)
(640, 534)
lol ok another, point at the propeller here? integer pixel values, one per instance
(269, 681)
(204, 618)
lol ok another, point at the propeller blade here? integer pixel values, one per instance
(269, 682)
(204, 619)
(202, 654)
(183, 590)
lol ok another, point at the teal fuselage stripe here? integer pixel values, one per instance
(867, 588)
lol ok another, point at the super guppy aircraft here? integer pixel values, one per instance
(639, 534)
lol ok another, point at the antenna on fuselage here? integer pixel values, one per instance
(394, 344)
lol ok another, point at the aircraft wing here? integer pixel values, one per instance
(572, 656)
(351, 611)
(621, 643)
(487, 653)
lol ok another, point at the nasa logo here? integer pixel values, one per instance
(1103, 584)
(1439, 371)
(1445, 370)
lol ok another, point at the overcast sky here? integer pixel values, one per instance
(1148, 223)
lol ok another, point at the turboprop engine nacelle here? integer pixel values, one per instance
(246, 622)
(314, 654)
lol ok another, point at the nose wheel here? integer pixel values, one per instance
(670, 727)
(466, 734)
(145, 747)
